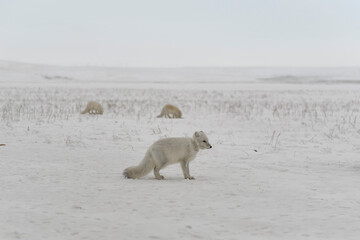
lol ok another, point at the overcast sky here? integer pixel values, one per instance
(166, 33)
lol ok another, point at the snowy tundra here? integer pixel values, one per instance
(284, 163)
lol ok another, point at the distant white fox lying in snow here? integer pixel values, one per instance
(93, 108)
(169, 151)
(170, 111)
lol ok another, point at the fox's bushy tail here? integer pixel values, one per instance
(85, 111)
(161, 114)
(145, 166)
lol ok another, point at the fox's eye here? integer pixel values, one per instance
(204, 141)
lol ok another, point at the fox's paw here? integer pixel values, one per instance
(190, 178)
(161, 177)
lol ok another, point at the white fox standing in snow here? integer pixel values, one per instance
(93, 108)
(169, 151)
(170, 111)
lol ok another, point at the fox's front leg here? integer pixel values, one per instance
(185, 168)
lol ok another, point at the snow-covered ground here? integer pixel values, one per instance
(284, 164)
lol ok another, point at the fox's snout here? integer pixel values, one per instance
(210, 146)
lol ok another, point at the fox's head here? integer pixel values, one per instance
(202, 141)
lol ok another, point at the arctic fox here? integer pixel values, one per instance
(93, 108)
(170, 109)
(169, 151)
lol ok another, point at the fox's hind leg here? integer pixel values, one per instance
(157, 174)
(159, 161)
(166, 113)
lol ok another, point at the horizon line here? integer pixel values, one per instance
(175, 67)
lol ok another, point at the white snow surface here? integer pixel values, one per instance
(284, 163)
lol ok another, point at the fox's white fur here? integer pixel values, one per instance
(169, 151)
(93, 108)
(170, 111)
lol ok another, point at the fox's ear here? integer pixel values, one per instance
(197, 134)
(201, 131)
